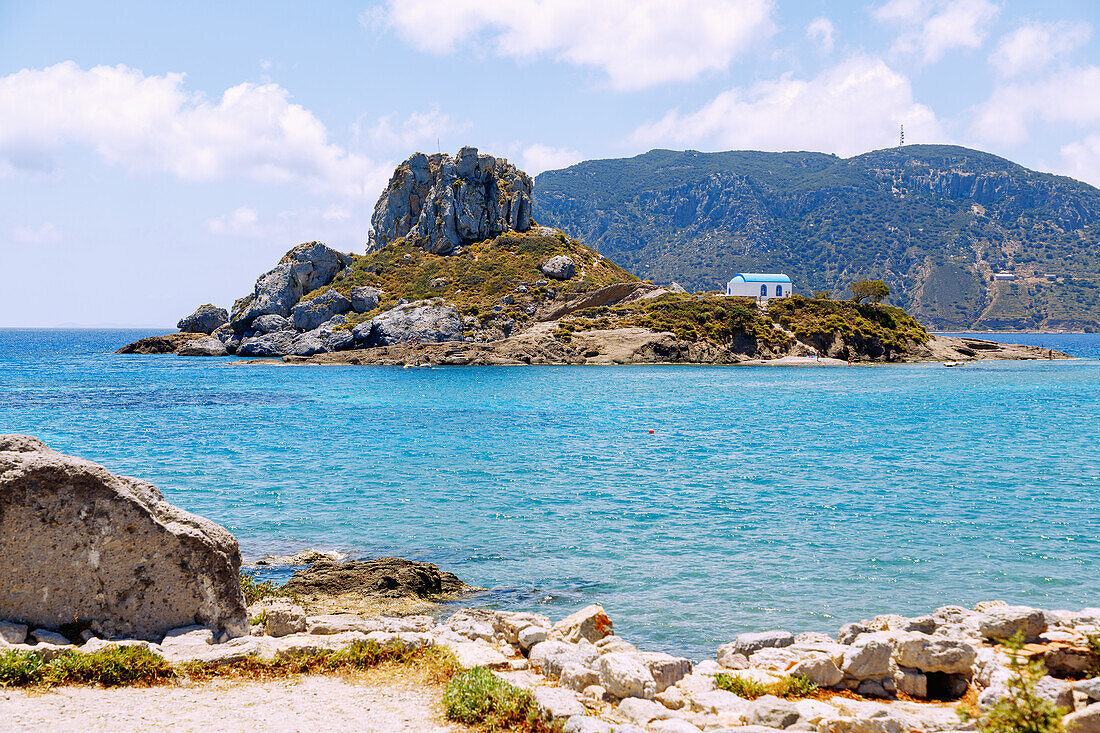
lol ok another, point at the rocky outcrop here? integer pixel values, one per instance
(206, 319)
(387, 577)
(445, 202)
(167, 344)
(559, 267)
(309, 314)
(303, 269)
(365, 299)
(421, 322)
(208, 346)
(81, 544)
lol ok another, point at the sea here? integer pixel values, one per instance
(693, 502)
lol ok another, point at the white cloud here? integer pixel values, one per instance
(402, 138)
(821, 31)
(1034, 45)
(938, 26)
(1068, 96)
(333, 224)
(848, 109)
(538, 158)
(241, 221)
(1081, 159)
(637, 43)
(45, 233)
(151, 123)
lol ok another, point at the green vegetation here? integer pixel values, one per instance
(792, 687)
(874, 291)
(479, 697)
(817, 320)
(1022, 710)
(254, 591)
(933, 222)
(125, 665)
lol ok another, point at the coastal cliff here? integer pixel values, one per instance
(456, 272)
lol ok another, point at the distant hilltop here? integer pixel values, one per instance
(935, 222)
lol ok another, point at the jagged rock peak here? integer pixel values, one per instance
(445, 202)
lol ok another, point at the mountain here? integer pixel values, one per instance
(935, 222)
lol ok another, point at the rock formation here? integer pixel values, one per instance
(306, 267)
(446, 202)
(387, 577)
(205, 319)
(83, 545)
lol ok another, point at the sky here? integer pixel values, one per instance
(157, 156)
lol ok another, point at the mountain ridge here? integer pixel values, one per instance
(934, 221)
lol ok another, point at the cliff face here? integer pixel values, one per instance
(934, 222)
(445, 202)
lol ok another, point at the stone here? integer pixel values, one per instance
(340, 623)
(97, 645)
(303, 269)
(1090, 687)
(666, 669)
(208, 346)
(1083, 721)
(773, 712)
(278, 343)
(813, 638)
(477, 654)
(912, 682)
(443, 203)
(585, 724)
(624, 675)
(559, 267)
(12, 632)
(45, 636)
(1059, 692)
(386, 577)
(672, 725)
(873, 724)
(364, 298)
(412, 323)
(934, 654)
(284, 618)
(554, 703)
(510, 624)
(922, 624)
(614, 643)
(272, 323)
(591, 623)
(821, 671)
(872, 688)
(1004, 622)
(849, 632)
(867, 657)
(777, 659)
(719, 702)
(307, 315)
(80, 542)
(552, 656)
(473, 624)
(578, 677)
(642, 711)
(205, 319)
(532, 635)
(673, 698)
(729, 657)
(753, 642)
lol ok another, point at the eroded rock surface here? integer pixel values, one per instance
(205, 319)
(303, 269)
(81, 543)
(387, 577)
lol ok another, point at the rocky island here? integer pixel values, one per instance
(456, 272)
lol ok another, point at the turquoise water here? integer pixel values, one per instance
(765, 497)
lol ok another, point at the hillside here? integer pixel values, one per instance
(934, 222)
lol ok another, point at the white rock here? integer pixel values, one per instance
(624, 675)
(532, 635)
(821, 671)
(867, 657)
(1004, 622)
(719, 701)
(578, 677)
(43, 636)
(878, 724)
(406, 624)
(776, 659)
(813, 711)
(1090, 688)
(933, 654)
(284, 618)
(341, 622)
(551, 657)
(12, 632)
(586, 724)
(554, 703)
(912, 682)
(642, 711)
(666, 669)
(748, 643)
(97, 645)
(591, 623)
(672, 726)
(772, 712)
(729, 657)
(1084, 721)
(673, 698)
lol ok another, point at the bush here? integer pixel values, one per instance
(1022, 710)
(478, 697)
(792, 687)
(123, 665)
(254, 591)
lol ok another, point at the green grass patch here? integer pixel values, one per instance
(818, 319)
(124, 665)
(793, 687)
(478, 697)
(254, 590)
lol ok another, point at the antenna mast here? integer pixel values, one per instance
(901, 142)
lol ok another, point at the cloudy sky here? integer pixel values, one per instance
(155, 156)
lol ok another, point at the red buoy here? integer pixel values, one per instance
(651, 432)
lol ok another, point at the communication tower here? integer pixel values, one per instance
(901, 141)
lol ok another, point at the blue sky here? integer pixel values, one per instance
(155, 156)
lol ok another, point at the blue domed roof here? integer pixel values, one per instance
(757, 277)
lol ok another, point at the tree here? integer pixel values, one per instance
(1022, 710)
(823, 294)
(872, 290)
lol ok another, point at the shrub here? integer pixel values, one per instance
(795, 686)
(478, 697)
(254, 590)
(122, 665)
(1022, 710)
(19, 668)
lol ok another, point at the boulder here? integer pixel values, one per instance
(753, 642)
(13, 633)
(912, 682)
(673, 725)
(1004, 622)
(554, 703)
(934, 654)
(822, 671)
(1084, 721)
(624, 675)
(303, 269)
(442, 202)
(279, 343)
(208, 346)
(206, 319)
(81, 543)
(666, 669)
(559, 267)
(411, 323)
(585, 724)
(867, 657)
(878, 723)
(284, 618)
(773, 712)
(271, 323)
(729, 657)
(589, 623)
(849, 632)
(578, 677)
(309, 314)
(387, 577)
(365, 298)
(532, 635)
(339, 623)
(642, 711)
(551, 657)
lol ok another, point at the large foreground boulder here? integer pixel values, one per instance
(303, 269)
(444, 202)
(81, 544)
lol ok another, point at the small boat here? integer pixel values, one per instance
(953, 363)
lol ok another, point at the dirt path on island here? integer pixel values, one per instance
(310, 703)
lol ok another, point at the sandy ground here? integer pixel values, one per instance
(312, 703)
